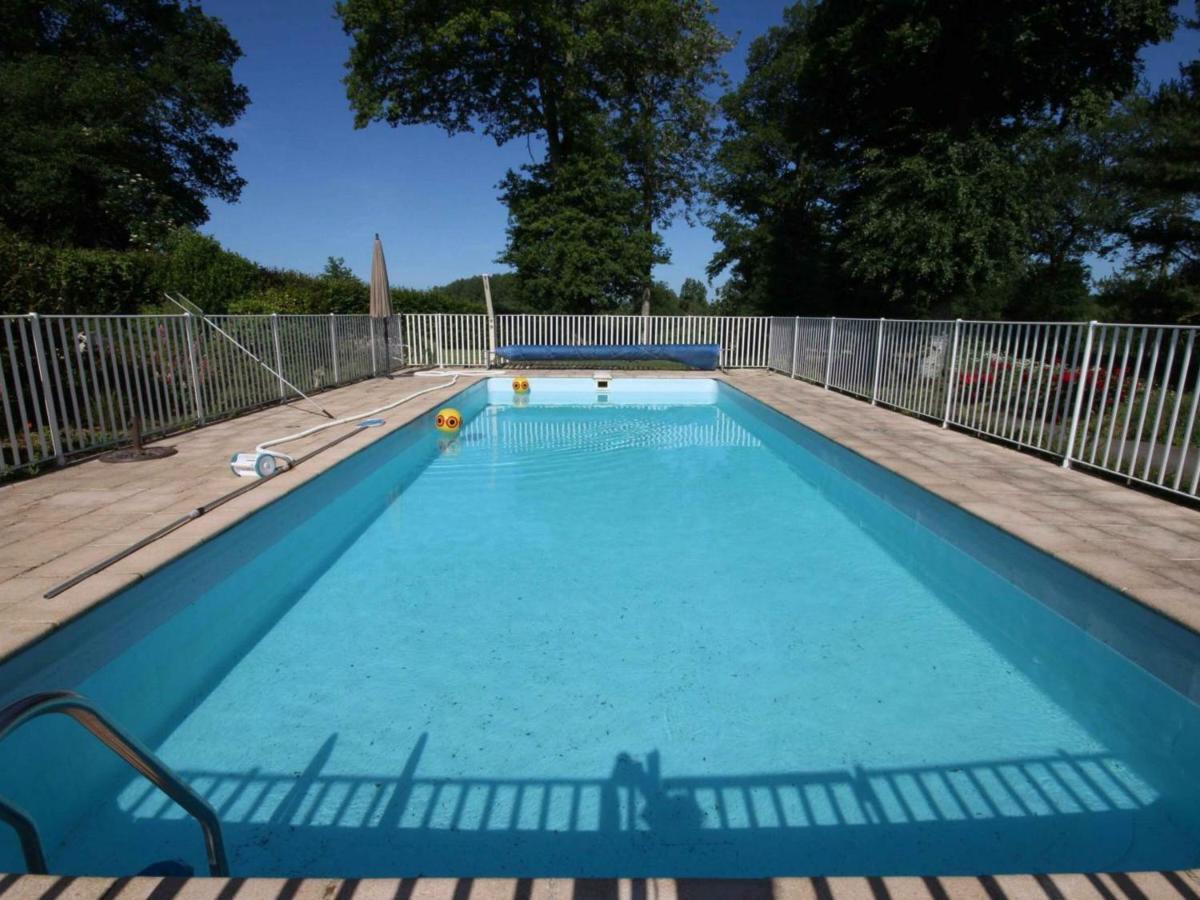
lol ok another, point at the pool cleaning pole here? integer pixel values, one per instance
(229, 337)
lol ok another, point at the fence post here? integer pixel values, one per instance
(438, 332)
(39, 350)
(829, 352)
(1079, 391)
(878, 360)
(795, 345)
(371, 327)
(278, 354)
(491, 321)
(197, 399)
(333, 347)
(951, 384)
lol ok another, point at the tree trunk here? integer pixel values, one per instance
(648, 225)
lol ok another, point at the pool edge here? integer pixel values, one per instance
(105, 586)
(1189, 621)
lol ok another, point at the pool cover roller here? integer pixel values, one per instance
(698, 356)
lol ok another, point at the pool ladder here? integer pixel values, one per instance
(68, 703)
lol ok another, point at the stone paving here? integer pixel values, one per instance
(1105, 886)
(55, 526)
(1142, 545)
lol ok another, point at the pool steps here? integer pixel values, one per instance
(73, 705)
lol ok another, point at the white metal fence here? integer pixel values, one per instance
(75, 384)
(462, 340)
(71, 385)
(1116, 398)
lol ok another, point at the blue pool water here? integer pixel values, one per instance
(666, 632)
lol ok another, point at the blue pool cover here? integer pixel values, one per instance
(698, 356)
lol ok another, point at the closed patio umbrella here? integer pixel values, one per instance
(381, 300)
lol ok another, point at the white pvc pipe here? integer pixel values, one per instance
(262, 448)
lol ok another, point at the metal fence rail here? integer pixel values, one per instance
(1117, 398)
(72, 385)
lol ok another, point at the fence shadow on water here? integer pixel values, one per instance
(1058, 812)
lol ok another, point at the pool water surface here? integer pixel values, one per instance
(643, 635)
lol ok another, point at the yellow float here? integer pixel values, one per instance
(448, 420)
(521, 385)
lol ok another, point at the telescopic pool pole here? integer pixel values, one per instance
(192, 309)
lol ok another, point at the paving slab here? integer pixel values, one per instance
(1144, 546)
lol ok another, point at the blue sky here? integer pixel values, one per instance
(317, 187)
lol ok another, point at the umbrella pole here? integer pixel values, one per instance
(387, 351)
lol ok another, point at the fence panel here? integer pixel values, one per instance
(570, 330)
(465, 341)
(71, 385)
(1014, 381)
(1117, 398)
(26, 437)
(1138, 399)
(105, 370)
(352, 343)
(852, 364)
(781, 342)
(230, 381)
(914, 365)
(812, 349)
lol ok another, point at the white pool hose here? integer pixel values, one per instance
(262, 448)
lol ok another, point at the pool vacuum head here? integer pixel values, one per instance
(253, 465)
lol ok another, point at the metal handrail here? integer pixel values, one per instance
(68, 703)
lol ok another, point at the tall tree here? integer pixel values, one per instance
(574, 235)
(1159, 169)
(110, 111)
(585, 77)
(693, 297)
(513, 69)
(902, 134)
(774, 215)
(656, 63)
(1156, 172)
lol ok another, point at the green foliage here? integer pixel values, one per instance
(592, 78)
(466, 295)
(37, 278)
(693, 297)
(512, 68)
(575, 236)
(1140, 296)
(774, 221)
(892, 158)
(1041, 292)
(109, 111)
(654, 63)
(42, 279)
(944, 222)
(198, 267)
(1158, 169)
(877, 74)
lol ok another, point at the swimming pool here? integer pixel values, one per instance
(659, 630)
